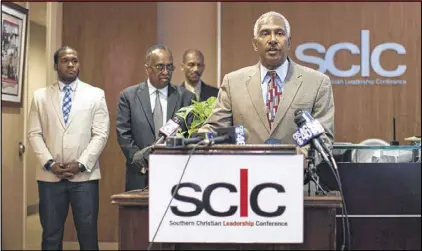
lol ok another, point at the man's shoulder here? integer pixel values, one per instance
(206, 86)
(131, 90)
(309, 72)
(242, 72)
(92, 91)
(181, 90)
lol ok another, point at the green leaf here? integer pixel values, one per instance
(200, 113)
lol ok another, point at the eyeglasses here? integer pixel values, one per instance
(160, 67)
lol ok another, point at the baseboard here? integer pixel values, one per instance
(31, 209)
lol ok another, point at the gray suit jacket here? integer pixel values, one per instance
(135, 124)
(240, 102)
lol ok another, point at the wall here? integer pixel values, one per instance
(181, 26)
(37, 70)
(111, 39)
(362, 111)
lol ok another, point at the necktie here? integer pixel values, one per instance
(67, 103)
(273, 97)
(157, 114)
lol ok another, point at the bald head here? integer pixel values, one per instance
(193, 52)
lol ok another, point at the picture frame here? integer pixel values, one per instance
(14, 25)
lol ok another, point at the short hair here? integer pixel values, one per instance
(192, 51)
(60, 50)
(155, 47)
(267, 15)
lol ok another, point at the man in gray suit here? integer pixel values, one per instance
(264, 97)
(144, 108)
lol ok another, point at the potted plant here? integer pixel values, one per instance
(195, 115)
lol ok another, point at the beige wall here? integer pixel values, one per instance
(37, 79)
(181, 26)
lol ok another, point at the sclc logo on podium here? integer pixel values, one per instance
(245, 198)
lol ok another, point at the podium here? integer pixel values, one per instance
(319, 212)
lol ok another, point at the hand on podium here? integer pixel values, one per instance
(141, 158)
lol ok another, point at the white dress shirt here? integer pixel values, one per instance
(163, 99)
(196, 90)
(280, 79)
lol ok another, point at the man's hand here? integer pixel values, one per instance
(141, 158)
(60, 172)
(302, 150)
(72, 167)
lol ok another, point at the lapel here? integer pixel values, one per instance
(143, 96)
(76, 101)
(203, 95)
(253, 84)
(172, 98)
(55, 100)
(291, 86)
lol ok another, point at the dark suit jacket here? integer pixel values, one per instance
(135, 124)
(206, 91)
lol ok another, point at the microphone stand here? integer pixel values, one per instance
(311, 174)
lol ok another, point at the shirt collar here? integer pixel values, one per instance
(196, 89)
(281, 71)
(152, 89)
(72, 85)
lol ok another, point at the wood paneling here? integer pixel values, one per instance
(111, 39)
(362, 111)
(180, 28)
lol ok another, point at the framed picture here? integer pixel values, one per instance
(14, 22)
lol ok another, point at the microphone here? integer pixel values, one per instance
(169, 129)
(310, 130)
(180, 142)
(141, 157)
(230, 135)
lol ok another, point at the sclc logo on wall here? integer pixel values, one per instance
(369, 59)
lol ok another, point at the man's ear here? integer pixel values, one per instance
(255, 44)
(146, 70)
(289, 42)
(55, 67)
(181, 66)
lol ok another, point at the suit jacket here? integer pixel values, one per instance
(82, 139)
(240, 102)
(135, 124)
(207, 91)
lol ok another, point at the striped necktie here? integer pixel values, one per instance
(273, 97)
(67, 103)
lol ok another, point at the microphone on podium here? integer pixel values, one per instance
(310, 131)
(141, 157)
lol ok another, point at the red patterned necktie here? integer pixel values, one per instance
(273, 97)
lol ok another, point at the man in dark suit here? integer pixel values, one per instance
(193, 66)
(144, 108)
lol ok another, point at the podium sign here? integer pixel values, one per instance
(226, 198)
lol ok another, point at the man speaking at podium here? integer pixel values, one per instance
(264, 97)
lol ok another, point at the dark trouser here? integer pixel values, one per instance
(134, 178)
(54, 206)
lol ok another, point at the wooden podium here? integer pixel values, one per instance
(319, 212)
